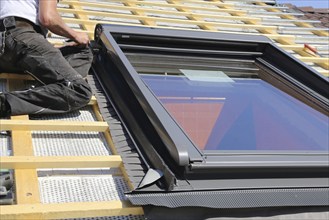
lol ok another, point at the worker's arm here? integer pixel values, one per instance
(50, 19)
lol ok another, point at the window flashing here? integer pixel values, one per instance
(166, 146)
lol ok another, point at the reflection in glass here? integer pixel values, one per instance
(222, 104)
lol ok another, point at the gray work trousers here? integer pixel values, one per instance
(60, 72)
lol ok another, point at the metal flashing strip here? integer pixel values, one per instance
(235, 198)
(195, 213)
(135, 168)
(109, 85)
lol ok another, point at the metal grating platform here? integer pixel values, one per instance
(75, 144)
(57, 189)
(4, 144)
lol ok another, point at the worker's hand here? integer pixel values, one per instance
(81, 38)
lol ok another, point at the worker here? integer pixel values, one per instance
(23, 48)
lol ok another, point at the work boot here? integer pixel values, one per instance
(4, 107)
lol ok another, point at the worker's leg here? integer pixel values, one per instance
(79, 58)
(64, 88)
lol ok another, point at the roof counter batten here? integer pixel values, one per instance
(256, 17)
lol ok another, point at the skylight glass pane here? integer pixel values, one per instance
(222, 104)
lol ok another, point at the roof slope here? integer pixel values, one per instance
(315, 14)
(230, 16)
(260, 17)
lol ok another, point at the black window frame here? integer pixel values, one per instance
(166, 147)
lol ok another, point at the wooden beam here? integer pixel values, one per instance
(107, 134)
(69, 210)
(142, 10)
(321, 61)
(315, 59)
(273, 34)
(33, 162)
(317, 32)
(26, 181)
(184, 10)
(294, 47)
(109, 141)
(281, 38)
(191, 17)
(268, 29)
(226, 4)
(49, 125)
(261, 30)
(153, 19)
(139, 13)
(202, 2)
(297, 23)
(92, 101)
(85, 17)
(160, 4)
